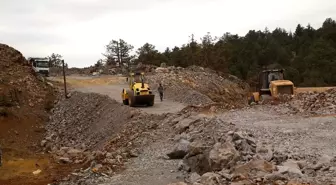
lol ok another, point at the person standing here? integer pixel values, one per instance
(160, 89)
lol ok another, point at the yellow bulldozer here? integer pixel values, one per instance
(270, 85)
(139, 92)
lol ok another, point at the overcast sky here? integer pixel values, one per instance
(80, 29)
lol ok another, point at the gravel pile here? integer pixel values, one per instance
(215, 151)
(305, 103)
(245, 146)
(196, 85)
(94, 130)
(317, 103)
(86, 121)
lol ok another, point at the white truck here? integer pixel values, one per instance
(40, 65)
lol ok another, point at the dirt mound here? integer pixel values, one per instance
(20, 88)
(196, 85)
(90, 128)
(86, 121)
(25, 100)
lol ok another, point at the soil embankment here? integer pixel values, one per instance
(25, 100)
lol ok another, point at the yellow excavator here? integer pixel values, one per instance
(271, 84)
(139, 92)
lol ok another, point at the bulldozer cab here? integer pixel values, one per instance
(272, 82)
(267, 76)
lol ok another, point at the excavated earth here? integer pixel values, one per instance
(25, 100)
(254, 145)
(91, 138)
(200, 145)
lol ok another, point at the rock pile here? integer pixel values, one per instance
(85, 121)
(89, 127)
(215, 152)
(196, 85)
(317, 103)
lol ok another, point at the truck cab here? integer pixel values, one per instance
(40, 65)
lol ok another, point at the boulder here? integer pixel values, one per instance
(210, 178)
(197, 147)
(161, 70)
(290, 170)
(198, 163)
(74, 152)
(43, 143)
(254, 168)
(223, 155)
(180, 150)
(323, 161)
(184, 124)
(64, 160)
(265, 152)
(194, 177)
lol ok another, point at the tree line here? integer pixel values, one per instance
(308, 55)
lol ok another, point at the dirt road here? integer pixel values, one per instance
(113, 91)
(112, 86)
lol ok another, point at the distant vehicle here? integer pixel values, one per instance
(40, 65)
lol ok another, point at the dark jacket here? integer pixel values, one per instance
(160, 89)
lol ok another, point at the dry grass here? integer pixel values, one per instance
(83, 82)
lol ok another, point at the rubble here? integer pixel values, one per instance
(316, 103)
(233, 155)
(180, 150)
(85, 121)
(89, 127)
(306, 103)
